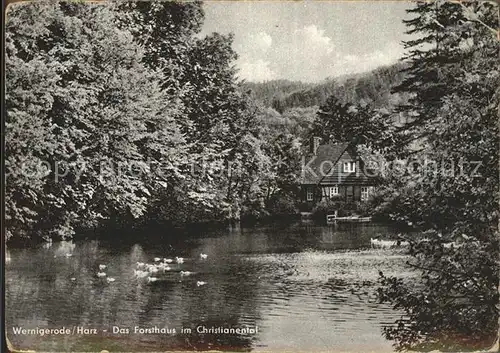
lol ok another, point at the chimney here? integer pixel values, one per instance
(314, 144)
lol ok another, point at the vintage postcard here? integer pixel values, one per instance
(265, 176)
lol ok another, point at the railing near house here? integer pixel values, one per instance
(332, 218)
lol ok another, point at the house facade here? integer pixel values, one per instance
(334, 171)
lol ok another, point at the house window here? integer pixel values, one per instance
(365, 193)
(349, 167)
(334, 191)
(309, 194)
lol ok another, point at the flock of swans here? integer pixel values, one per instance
(152, 271)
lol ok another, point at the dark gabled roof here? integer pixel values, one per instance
(324, 167)
(325, 156)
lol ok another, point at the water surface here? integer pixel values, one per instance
(302, 287)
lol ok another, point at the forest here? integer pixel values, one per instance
(119, 114)
(373, 88)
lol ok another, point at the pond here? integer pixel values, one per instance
(285, 287)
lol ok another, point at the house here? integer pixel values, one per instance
(334, 171)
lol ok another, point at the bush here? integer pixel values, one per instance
(364, 208)
(253, 210)
(304, 206)
(328, 206)
(283, 204)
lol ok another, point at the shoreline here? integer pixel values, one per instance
(168, 231)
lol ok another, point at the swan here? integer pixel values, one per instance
(200, 283)
(377, 243)
(164, 267)
(152, 269)
(140, 264)
(168, 261)
(110, 279)
(140, 273)
(157, 259)
(386, 244)
(68, 255)
(180, 260)
(203, 256)
(73, 279)
(152, 279)
(185, 273)
(101, 274)
(102, 267)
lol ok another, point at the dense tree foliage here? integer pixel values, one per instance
(349, 123)
(451, 191)
(269, 91)
(120, 111)
(215, 118)
(82, 109)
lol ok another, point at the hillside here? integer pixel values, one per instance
(267, 92)
(372, 88)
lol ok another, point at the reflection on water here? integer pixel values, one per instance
(302, 287)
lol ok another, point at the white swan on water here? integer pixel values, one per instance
(102, 267)
(163, 266)
(387, 244)
(179, 260)
(141, 274)
(101, 274)
(152, 279)
(152, 269)
(200, 283)
(110, 279)
(203, 256)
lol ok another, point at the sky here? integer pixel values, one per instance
(309, 41)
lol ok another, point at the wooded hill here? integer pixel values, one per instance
(372, 88)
